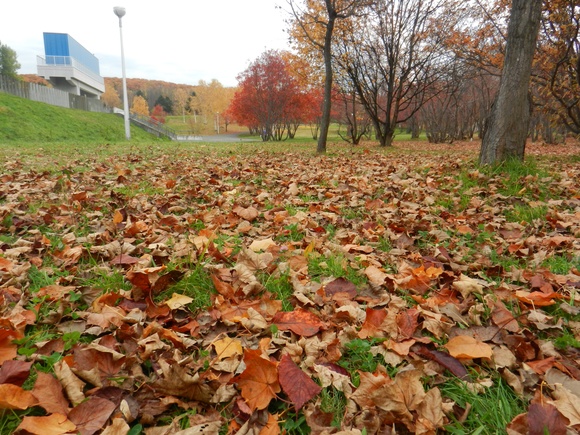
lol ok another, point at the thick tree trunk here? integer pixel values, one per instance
(506, 134)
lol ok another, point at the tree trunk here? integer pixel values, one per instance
(326, 105)
(510, 116)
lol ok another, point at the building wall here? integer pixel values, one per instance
(62, 44)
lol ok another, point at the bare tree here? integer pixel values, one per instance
(509, 121)
(317, 14)
(393, 57)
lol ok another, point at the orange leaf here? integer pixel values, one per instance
(14, 397)
(272, 427)
(300, 322)
(295, 383)
(8, 350)
(54, 424)
(5, 265)
(259, 381)
(117, 217)
(372, 323)
(463, 346)
(538, 299)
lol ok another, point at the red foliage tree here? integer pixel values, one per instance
(158, 114)
(269, 100)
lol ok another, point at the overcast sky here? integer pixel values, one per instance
(176, 41)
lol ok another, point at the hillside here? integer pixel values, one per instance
(23, 120)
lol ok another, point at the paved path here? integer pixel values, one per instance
(234, 137)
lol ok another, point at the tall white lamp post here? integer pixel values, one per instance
(120, 12)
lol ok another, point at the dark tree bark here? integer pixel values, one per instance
(327, 54)
(507, 130)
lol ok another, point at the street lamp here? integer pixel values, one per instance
(120, 12)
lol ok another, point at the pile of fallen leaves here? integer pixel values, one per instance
(407, 263)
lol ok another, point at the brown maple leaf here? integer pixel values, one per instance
(91, 415)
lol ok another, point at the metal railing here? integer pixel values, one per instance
(154, 124)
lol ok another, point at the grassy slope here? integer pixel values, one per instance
(23, 120)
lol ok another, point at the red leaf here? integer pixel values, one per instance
(299, 321)
(407, 322)
(545, 418)
(444, 359)
(14, 372)
(295, 383)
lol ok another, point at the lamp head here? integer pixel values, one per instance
(119, 11)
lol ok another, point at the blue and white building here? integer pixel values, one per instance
(69, 66)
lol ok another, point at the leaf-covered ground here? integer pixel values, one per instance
(367, 291)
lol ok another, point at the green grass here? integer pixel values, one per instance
(562, 264)
(23, 120)
(336, 266)
(281, 287)
(491, 410)
(196, 284)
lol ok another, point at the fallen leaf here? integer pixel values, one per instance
(119, 427)
(375, 276)
(15, 372)
(8, 350)
(227, 347)
(14, 397)
(48, 391)
(373, 322)
(341, 285)
(178, 301)
(54, 424)
(262, 245)
(91, 415)
(449, 362)
(538, 299)
(299, 321)
(466, 286)
(465, 347)
(567, 403)
(72, 385)
(259, 381)
(248, 214)
(295, 383)
(544, 418)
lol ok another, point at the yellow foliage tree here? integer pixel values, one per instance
(110, 97)
(140, 106)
